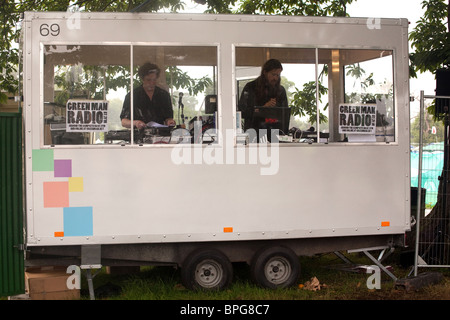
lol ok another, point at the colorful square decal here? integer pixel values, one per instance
(42, 160)
(78, 221)
(76, 184)
(63, 168)
(56, 194)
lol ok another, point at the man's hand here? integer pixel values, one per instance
(271, 103)
(170, 122)
(139, 124)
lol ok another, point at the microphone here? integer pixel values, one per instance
(180, 104)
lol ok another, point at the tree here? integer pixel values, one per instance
(431, 41)
(427, 131)
(430, 38)
(11, 10)
(10, 18)
(304, 102)
(296, 8)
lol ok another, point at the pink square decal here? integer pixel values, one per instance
(56, 194)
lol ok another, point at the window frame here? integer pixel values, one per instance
(130, 86)
(316, 63)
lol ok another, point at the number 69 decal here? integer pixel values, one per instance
(49, 30)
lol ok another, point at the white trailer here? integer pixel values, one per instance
(100, 194)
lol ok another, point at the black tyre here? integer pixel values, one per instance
(275, 267)
(207, 269)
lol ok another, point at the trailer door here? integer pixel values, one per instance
(11, 205)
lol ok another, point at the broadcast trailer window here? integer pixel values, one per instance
(298, 76)
(188, 74)
(86, 88)
(334, 95)
(360, 104)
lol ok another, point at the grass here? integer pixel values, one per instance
(163, 283)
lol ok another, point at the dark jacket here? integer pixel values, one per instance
(158, 109)
(249, 101)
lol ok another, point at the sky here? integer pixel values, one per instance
(409, 9)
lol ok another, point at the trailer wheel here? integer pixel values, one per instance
(275, 267)
(207, 270)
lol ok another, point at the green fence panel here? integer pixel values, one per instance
(11, 205)
(432, 165)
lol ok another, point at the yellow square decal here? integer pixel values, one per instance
(76, 184)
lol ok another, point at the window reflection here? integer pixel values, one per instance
(79, 78)
(370, 82)
(318, 83)
(83, 92)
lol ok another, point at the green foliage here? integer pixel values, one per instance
(218, 6)
(357, 72)
(296, 8)
(89, 81)
(430, 38)
(9, 54)
(427, 136)
(10, 18)
(304, 102)
(128, 5)
(92, 82)
(180, 79)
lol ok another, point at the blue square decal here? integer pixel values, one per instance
(78, 221)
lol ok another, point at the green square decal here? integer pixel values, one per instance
(42, 160)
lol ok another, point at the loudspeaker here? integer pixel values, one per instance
(210, 104)
(442, 89)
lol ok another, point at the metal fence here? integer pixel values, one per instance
(432, 245)
(432, 165)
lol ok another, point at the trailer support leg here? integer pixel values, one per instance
(90, 280)
(378, 263)
(91, 259)
(342, 257)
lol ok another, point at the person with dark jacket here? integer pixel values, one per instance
(264, 91)
(150, 102)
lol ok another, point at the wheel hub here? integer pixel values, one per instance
(277, 270)
(208, 273)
